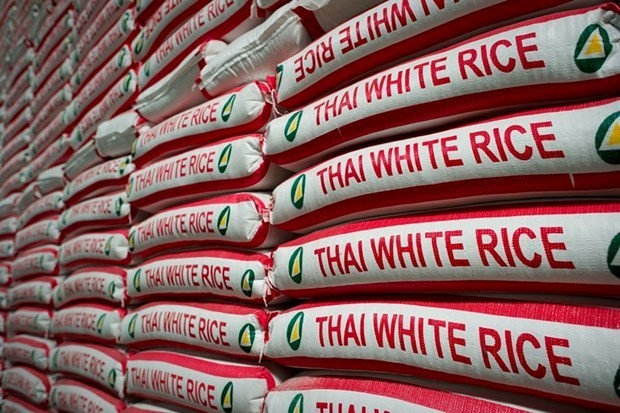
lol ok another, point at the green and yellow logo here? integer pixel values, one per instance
(297, 404)
(228, 107)
(127, 82)
(292, 126)
(295, 265)
(55, 359)
(607, 139)
(131, 328)
(146, 69)
(136, 280)
(294, 331)
(59, 294)
(224, 160)
(593, 48)
(132, 241)
(100, 323)
(134, 147)
(111, 289)
(246, 337)
(613, 256)
(129, 187)
(137, 48)
(226, 400)
(118, 206)
(247, 282)
(33, 355)
(279, 70)
(120, 58)
(223, 220)
(108, 247)
(122, 165)
(112, 378)
(298, 191)
(125, 23)
(617, 382)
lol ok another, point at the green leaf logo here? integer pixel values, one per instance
(246, 337)
(223, 220)
(137, 49)
(292, 126)
(136, 280)
(112, 378)
(108, 247)
(593, 48)
(131, 328)
(297, 404)
(294, 331)
(298, 191)
(224, 160)
(607, 139)
(279, 70)
(226, 399)
(126, 84)
(129, 187)
(111, 289)
(118, 205)
(132, 241)
(295, 265)
(146, 69)
(55, 358)
(228, 107)
(613, 256)
(100, 323)
(247, 282)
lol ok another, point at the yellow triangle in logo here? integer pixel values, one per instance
(297, 407)
(246, 283)
(595, 45)
(299, 193)
(245, 339)
(293, 126)
(227, 403)
(225, 158)
(614, 137)
(224, 221)
(296, 269)
(295, 335)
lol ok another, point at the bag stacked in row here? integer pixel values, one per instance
(434, 180)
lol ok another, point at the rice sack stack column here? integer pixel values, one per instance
(467, 130)
(201, 248)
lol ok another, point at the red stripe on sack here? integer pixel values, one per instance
(475, 21)
(96, 261)
(309, 21)
(87, 337)
(588, 316)
(265, 260)
(205, 188)
(108, 270)
(256, 242)
(383, 366)
(81, 227)
(109, 185)
(456, 194)
(189, 142)
(29, 342)
(98, 307)
(206, 366)
(171, 26)
(432, 111)
(113, 353)
(440, 400)
(216, 33)
(458, 286)
(119, 404)
(224, 308)
(490, 211)
(23, 404)
(146, 344)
